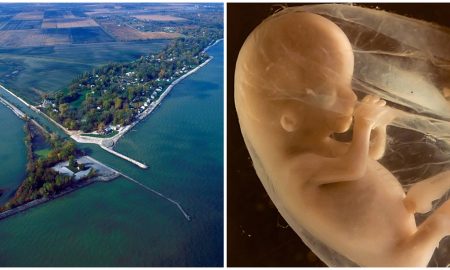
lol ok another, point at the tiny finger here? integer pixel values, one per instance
(367, 98)
(381, 102)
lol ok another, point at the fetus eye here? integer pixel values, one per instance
(320, 96)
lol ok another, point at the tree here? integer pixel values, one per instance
(63, 108)
(72, 125)
(72, 162)
(101, 127)
(117, 103)
(58, 180)
(162, 72)
(67, 149)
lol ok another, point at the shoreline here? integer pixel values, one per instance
(212, 44)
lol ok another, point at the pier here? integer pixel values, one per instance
(135, 162)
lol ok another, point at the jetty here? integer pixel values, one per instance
(177, 204)
(135, 162)
(13, 108)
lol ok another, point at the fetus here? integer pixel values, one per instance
(293, 91)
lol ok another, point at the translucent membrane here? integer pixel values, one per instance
(406, 62)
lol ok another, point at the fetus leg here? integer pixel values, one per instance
(422, 194)
(425, 240)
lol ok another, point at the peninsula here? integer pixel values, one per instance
(55, 167)
(99, 107)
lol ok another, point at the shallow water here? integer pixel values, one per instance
(120, 223)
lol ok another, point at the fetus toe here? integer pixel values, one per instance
(417, 203)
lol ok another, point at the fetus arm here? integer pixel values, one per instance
(377, 145)
(378, 142)
(350, 166)
(378, 136)
(422, 194)
(353, 164)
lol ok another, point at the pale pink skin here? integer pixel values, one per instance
(337, 191)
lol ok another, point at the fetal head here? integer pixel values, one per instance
(301, 57)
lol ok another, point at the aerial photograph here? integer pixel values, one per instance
(111, 145)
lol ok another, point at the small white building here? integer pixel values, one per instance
(66, 171)
(46, 104)
(82, 174)
(62, 168)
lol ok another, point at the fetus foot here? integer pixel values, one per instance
(422, 194)
(425, 240)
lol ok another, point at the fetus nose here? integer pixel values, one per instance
(350, 97)
(347, 100)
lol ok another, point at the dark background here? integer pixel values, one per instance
(257, 234)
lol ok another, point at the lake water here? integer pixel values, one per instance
(120, 223)
(12, 153)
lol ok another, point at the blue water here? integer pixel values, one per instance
(12, 153)
(120, 223)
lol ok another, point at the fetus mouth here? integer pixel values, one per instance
(348, 113)
(344, 116)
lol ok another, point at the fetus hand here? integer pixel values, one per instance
(372, 112)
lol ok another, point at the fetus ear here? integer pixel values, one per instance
(289, 122)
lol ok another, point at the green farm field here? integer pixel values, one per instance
(32, 71)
